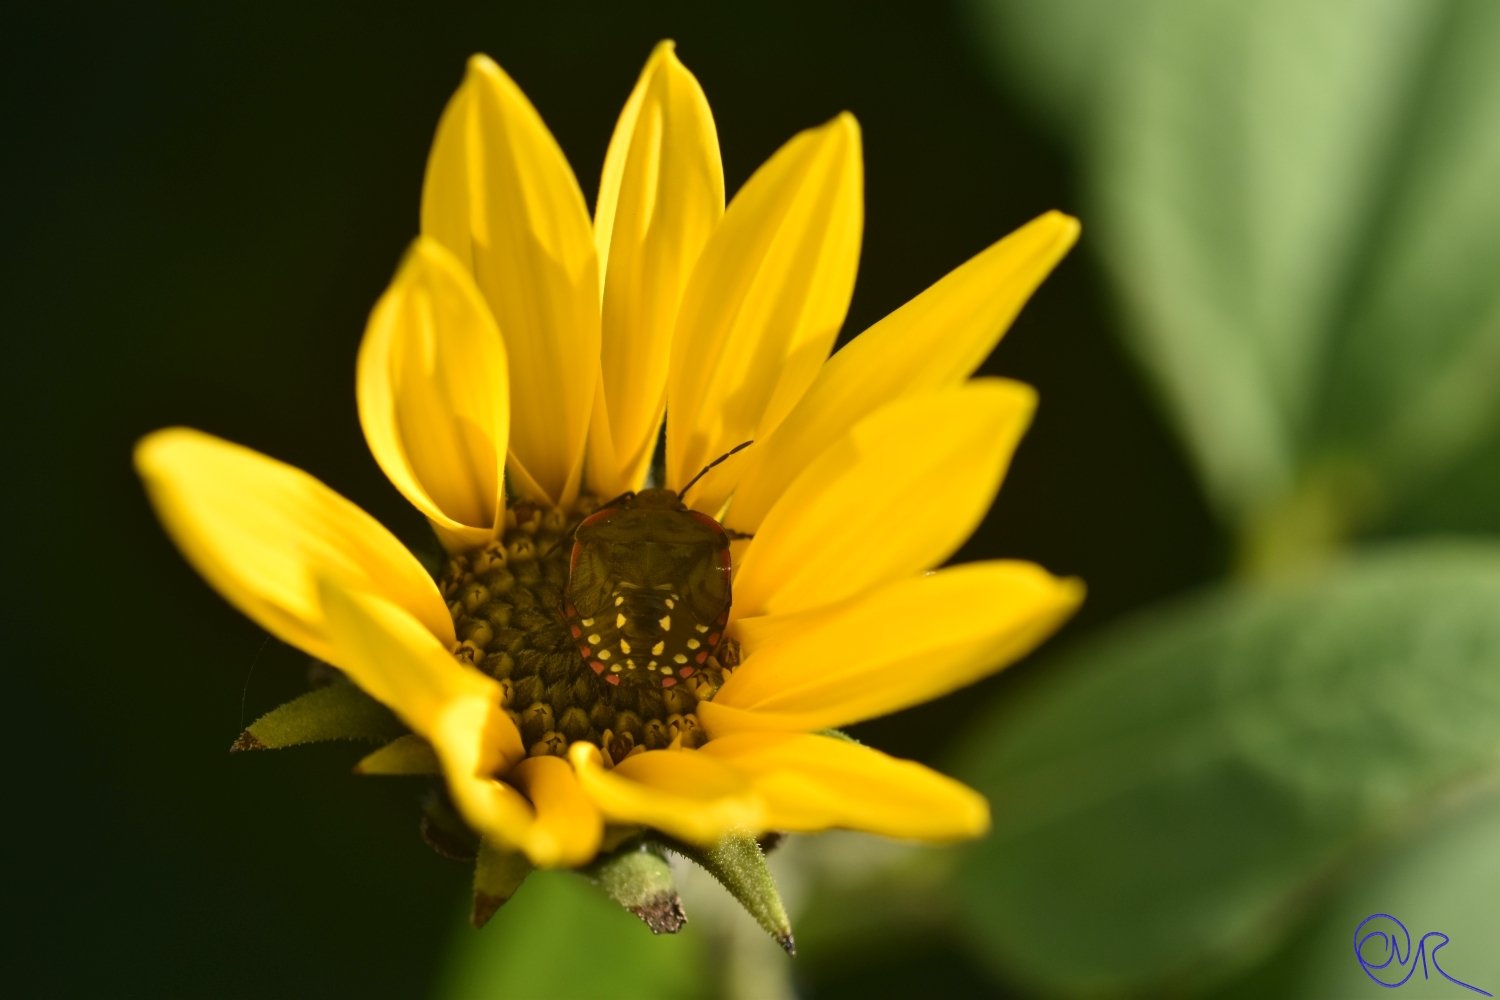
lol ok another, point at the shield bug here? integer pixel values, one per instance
(649, 587)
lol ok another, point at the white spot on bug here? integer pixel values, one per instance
(671, 604)
(692, 643)
(657, 649)
(604, 654)
(624, 646)
(615, 669)
(587, 622)
(666, 623)
(630, 664)
(701, 628)
(651, 665)
(619, 621)
(594, 639)
(619, 601)
(679, 658)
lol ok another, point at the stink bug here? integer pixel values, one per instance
(648, 588)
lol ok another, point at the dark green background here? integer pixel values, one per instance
(200, 208)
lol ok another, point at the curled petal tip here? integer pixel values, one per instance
(1068, 228)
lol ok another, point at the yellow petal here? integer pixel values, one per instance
(500, 195)
(399, 663)
(661, 195)
(457, 709)
(812, 783)
(933, 342)
(463, 743)
(568, 825)
(765, 302)
(897, 494)
(434, 396)
(681, 792)
(261, 532)
(906, 643)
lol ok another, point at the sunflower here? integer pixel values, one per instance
(513, 384)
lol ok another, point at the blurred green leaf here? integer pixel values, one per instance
(1170, 799)
(561, 937)
(1295, 199)
(1414, 372)
(1446, 880)
(1442, 875)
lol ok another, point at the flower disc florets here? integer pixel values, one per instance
(507, 600)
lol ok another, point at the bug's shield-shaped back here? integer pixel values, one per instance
(649, 591)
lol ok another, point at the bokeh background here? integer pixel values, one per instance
(1269, 440)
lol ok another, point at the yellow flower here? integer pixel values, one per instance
(522, 342)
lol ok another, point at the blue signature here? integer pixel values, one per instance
(1392, 948)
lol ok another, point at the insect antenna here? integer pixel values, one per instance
(704, 471)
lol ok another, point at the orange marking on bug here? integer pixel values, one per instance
(713, 638)
(667, 682)
(701, 656)
(577, 631)
(599, 669)
(614, 679)
(587, 652)
(688, 671)
(571, 612)
(722, 618)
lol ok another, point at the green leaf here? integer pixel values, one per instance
(405, 755)
(1445, 879)
(560, 937)
(1295, 200)
(498, 873)
(1415, 368)
(1441, 876)
(1171, 798)
(739, 865)
(339, 711)
(637, 876)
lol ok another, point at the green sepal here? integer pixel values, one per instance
(444, 830)
(339, 711)
(839, 734)
(409, 754)
(498, 873)
(739, 864)
(638, 877)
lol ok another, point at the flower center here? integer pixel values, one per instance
(507, 601)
